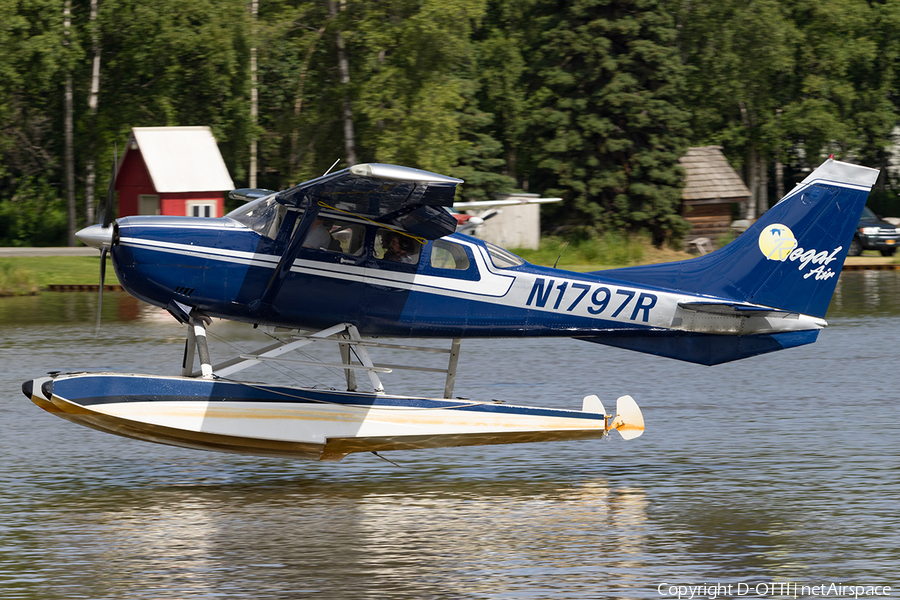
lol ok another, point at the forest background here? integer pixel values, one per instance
(591, 100)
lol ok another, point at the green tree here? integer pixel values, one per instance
(414, 60)
(178, 62)
(296, 64)
(480, 162)
(503, 74)
(740, 81)
(607, 114)
(32, 71)
(846, 78)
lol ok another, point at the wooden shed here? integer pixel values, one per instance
(172, 171)
(711, 186)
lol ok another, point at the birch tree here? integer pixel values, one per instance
(93, 99)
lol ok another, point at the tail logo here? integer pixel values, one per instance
(776, 242)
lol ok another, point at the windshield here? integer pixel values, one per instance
(264, 216)
(868, 214)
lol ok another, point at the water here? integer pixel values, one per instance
(780, 468)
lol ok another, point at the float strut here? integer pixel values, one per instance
(198, 327)
(451, 368)
(190, 343)
(345, 358)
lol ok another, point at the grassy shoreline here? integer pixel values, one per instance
(24, 275)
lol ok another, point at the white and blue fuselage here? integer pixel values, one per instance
(766, 291)
(221, 268)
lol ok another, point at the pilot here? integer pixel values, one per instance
(399, 248)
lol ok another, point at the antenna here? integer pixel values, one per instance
(560, 254)
(331, 167)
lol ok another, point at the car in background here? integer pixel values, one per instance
(873, 233)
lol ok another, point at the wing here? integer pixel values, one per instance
(409, 199)
(249, 194)
(515, 200)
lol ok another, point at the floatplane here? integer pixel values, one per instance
(371, 252)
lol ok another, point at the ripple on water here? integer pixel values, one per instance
(777, 468)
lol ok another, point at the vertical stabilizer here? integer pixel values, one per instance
(790, 258)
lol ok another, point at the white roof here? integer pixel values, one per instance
(182, 159)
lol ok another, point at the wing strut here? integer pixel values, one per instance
(294, 240)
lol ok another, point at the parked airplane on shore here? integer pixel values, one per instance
(371, 251)
(471, 224)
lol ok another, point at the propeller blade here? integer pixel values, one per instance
(111, 192)
(103, 252)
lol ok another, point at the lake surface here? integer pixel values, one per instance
(779, 469)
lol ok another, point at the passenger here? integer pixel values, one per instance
(399, 248)
(319, 236)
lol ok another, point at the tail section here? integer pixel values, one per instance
(789, 259)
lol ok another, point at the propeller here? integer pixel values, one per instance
(100, 236)
(107, 221)
(111, 191)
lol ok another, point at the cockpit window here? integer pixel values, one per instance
(264, 216)
(503, 259)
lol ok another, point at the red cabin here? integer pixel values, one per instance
(172, 171)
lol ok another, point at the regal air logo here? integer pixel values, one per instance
(777, 242)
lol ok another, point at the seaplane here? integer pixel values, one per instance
(368, 254)
(471, 216)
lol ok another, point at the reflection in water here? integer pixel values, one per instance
(75, 308)
(868, 293)
(777, 468)
(352, 541)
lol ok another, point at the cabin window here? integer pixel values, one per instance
(201, 209)
(397, 247)
(447, 255)
(336, 236)
(502, 259)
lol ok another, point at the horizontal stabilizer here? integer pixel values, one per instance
(517, 200)
(705, 348)
(734, 309)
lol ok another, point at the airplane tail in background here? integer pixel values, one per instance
(789, 259)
